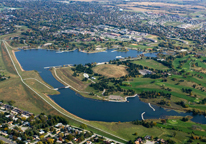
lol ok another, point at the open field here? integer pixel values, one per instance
(110, 70)
(162, 4)
(172, 24)
(151, 64)
(15, 90)
(140, 46)
(152, 37)
(66, 75)
(129, 130)
(153, 6)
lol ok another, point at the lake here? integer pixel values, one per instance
(88, 108)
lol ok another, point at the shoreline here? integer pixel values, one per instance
(79, 92)
(90, 52)
(125, 99)
(13, 52)
(64, 109)
(91, 98)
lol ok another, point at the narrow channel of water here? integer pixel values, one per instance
(88, 108)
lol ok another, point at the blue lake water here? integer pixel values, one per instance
(88, 108)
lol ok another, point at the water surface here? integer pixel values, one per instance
(88, 108)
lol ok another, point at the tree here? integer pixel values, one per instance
(41, 137)
(174, 133)
(83, 126)
(39, 142)
(52, 129)
(61, 135)
(11, 102)
(50, 141)
(163, 121)
(69, 137)
(135, 133)
(23, 118)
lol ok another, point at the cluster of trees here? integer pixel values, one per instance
(187, 90)
(167, 62)
(145, 124)
(80, 68)
(153, 76)
(182, 103)
(184, 119)
(203, 101)
(164, 102)
(39, 122)
(154, 94)
(169, 45)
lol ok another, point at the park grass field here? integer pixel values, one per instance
(128, 129)
(172, 24)
(66, 74)
(140, 46)
(187, 127)
(151, 64)
(110, 70)
(152, 37)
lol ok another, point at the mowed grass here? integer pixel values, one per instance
(110, 70)
(187, 127)
(14, 89)
(128, 130)
(151, 64)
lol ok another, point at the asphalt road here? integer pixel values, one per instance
(6, 140)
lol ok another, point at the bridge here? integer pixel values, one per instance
(65, 65)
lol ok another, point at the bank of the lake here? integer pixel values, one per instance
(87, 108)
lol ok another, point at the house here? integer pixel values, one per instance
(26, 124)
(41, 131)
(3, 108)
(26, 142)
(161, 59)
(138, 141)
(183, 50)
(152, 40)
(10, 123)
(36, 137)
(58, 131)
(93, 78)
(58, 125)
(137, 39)
(19, 138)
(88, 142)
(4, 133)
(22, 115)
(75, 139)
(7, 116)
(14, 112)
(58, 141)
(147, 137)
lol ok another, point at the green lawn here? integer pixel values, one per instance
(187, 127)
(151, 64)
